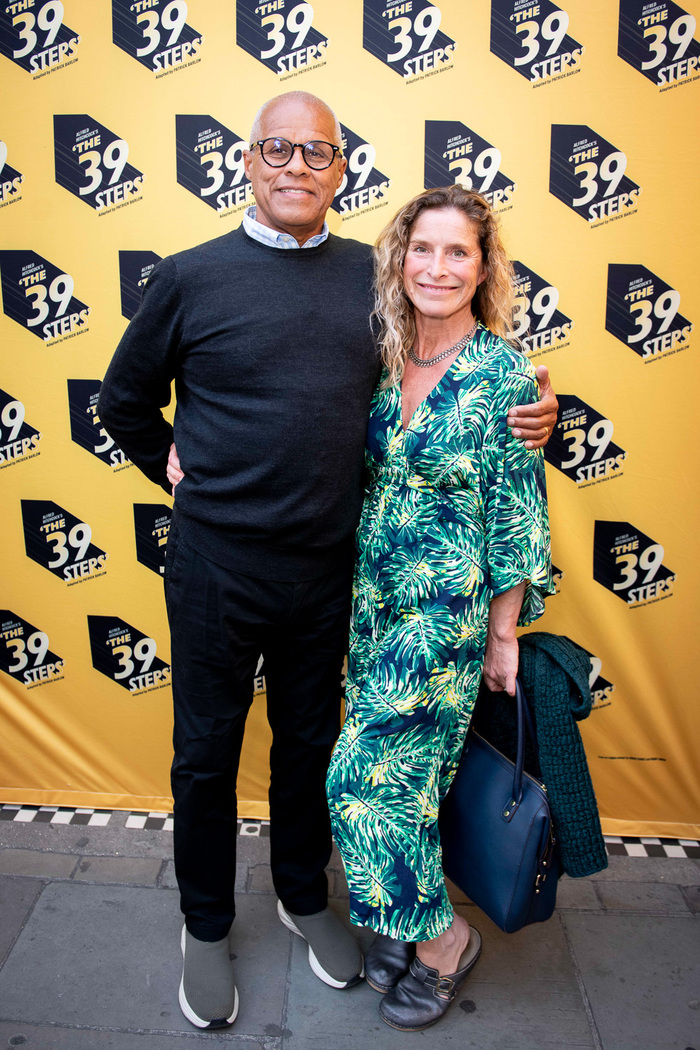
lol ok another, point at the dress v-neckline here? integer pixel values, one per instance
(473, 343)
(423, 401)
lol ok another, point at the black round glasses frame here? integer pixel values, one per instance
(305, 147)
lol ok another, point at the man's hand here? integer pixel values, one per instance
(534, 423)
(175, 475)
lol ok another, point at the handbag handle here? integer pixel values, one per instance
(524, 719)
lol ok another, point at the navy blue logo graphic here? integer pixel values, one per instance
(539, 325)
(92, 163)
(629, 564)
(557, 577)
(658, 40)
(19, 441)
(406, 37)
(581, 444)
(39, 297)
(364, 188)
(134, 270)
(126, 655)
(601, 688)
(25, 653)
(156, 34)
(60, 542)
(85, 427)
(10, 179)
(152, 525)
(210, 163)
(280, 34)
(33, 36)
(587, 173)
(532, 39)
(456, 154)
(642, 312)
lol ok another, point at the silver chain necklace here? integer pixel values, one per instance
(426, 362)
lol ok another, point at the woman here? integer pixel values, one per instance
(453, 553)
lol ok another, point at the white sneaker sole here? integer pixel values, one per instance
(187, 1009)
(313, 961)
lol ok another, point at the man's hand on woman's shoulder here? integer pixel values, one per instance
(534, 423)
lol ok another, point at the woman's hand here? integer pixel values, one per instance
(175, 474)
(501, 657)
(534, 423)
(501, 664)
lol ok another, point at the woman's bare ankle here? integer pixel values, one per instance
(444, 952)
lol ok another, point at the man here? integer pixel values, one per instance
(274, 364)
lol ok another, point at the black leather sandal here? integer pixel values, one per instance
(387, 961)
(422, 997)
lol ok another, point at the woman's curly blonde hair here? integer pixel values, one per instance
(393, 310)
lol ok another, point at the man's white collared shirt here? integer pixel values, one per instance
(275, 239)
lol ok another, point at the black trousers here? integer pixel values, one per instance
(220, 623)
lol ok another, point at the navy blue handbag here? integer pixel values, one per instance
(498, 842)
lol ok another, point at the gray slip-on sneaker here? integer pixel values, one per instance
(334, 954)
(208, 996)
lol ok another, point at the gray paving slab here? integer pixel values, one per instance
(692, 896)
(17, 897)
(522, 995)
(651, 897)
(260, 879)
(681, 871)
(642, 977)
(577, 894)
(54, 1037)
(38, 864)
(86, 839)
(108, 957)
(129, 871)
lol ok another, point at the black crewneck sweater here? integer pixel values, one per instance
(274, 366)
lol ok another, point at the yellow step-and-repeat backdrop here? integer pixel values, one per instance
(122, 130)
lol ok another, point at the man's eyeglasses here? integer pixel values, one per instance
(278, 152)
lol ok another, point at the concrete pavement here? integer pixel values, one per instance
(89, 957)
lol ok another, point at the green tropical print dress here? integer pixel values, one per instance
(455, 512)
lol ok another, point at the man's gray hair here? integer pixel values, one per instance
(297, 96)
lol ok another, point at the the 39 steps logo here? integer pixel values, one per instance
(156, 34)
(151, 528)
(60, 542)
(658, 40)
(629, 564)
(34, 36)
(587, 173)
(642, 312)
(601, 688)
(557, 578)
(532, 39)
(210, 163)
(25, 653)
(85, 429)
(10, 180)
(92, 163)
(39, 297)
(581, 444)
(456, 154)
(126, 655)
(407, 38)
(19, 441)
(364, 188)
(281, 35)
(539, 325)
(135, 267)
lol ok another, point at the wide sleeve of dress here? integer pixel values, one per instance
(515, 493)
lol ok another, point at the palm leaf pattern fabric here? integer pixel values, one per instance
(455, 512)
